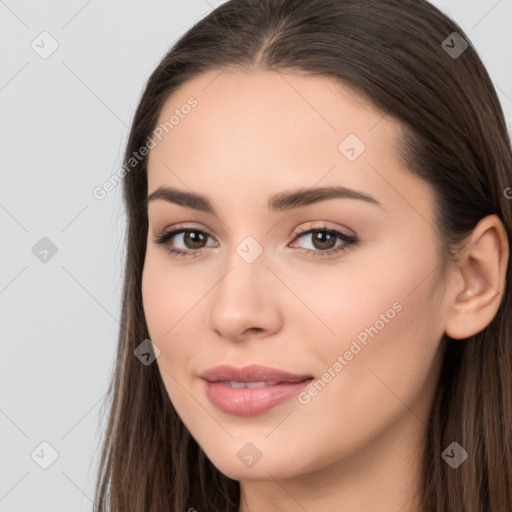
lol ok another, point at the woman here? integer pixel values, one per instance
(318, 246)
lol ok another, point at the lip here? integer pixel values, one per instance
(251, 373)
(251, 401)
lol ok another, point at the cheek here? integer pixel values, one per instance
(172, 301)
(363, 301)
(166, 298)
(387, 331)
(379, 309)
(169, 294)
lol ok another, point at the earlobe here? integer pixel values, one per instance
(483, 270)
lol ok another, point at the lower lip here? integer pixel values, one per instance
(251, 401)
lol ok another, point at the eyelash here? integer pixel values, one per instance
(348, 239)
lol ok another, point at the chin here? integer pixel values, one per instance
(243, 461)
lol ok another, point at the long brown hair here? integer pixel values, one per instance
(395, 54)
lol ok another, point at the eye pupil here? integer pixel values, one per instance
(322, 237)
(193, 237)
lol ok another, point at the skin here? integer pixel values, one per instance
(359, 441)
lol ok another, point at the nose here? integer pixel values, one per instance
(245, 301)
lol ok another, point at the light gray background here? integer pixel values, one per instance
(64, 125)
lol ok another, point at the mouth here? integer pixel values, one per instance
(251, 390)
(252, 374)
(238, 385)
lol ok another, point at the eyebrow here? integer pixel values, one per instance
(279, 202)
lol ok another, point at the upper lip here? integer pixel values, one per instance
(252, 373)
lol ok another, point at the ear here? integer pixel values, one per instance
(483, 269)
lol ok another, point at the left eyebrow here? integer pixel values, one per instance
(278, 202)
(306, 196)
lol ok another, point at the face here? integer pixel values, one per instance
(340, 289)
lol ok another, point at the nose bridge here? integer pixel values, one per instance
(243, 298)
(245, 277)
(247, 258)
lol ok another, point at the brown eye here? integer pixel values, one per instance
(191, 240)
(194, 239)
(324, 241)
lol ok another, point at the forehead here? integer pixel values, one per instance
(261, 127)
(274, 106)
